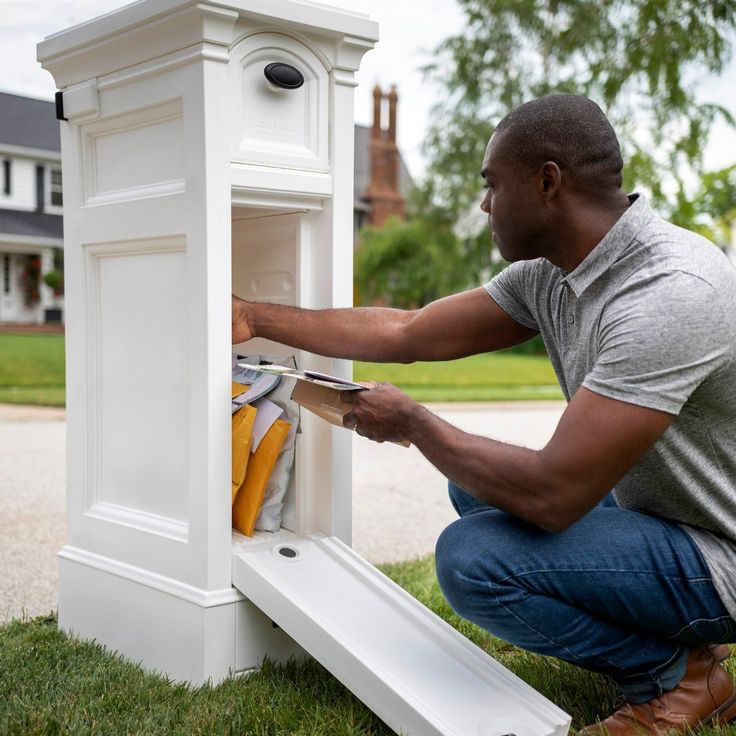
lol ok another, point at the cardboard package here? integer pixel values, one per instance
(325, 402)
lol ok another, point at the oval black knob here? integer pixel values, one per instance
(284, 75)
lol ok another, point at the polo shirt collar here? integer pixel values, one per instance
(612, 246)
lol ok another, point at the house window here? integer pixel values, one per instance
(56, 196)
(6, 176)
(6, 274)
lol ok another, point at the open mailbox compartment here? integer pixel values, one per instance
(269, 252)
(189, 174)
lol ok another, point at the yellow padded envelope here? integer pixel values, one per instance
(249, 498)
(239, 388)
(242, 431)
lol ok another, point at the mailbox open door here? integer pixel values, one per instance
(208, 148)
(405, 663)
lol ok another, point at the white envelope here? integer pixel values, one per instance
(267, 414)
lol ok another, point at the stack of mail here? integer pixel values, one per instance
(258, 436)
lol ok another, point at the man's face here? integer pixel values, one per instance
(512, 209)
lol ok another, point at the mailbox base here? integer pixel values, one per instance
(185, 633)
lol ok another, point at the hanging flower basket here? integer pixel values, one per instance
(55, 280)
(30, 280)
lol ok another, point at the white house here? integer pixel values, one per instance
(30, 209)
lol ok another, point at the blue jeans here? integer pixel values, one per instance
(618, 592)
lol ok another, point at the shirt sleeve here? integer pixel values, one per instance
(512, 289)
(659, 339)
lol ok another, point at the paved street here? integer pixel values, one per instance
(399, 500)
(32, 508)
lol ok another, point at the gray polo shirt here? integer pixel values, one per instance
(649, 318)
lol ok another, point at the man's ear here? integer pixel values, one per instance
(550, 180)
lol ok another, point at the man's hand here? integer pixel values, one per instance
(242, 324)
(382, 414)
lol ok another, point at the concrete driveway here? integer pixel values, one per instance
(400, 501)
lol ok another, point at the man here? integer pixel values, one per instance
(639, 319)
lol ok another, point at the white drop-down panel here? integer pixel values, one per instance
(410, 667)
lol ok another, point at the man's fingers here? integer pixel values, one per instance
(242, 330)
(348, 397)
(349, 421)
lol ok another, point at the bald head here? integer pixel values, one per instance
(570, 130)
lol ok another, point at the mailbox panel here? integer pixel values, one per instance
(273, 125)
(264, 264)
(138, 383)
(117, 154)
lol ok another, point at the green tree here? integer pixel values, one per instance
(639, 59)
(718, 195)
(431, 255)
(409, 264)
(712, 211)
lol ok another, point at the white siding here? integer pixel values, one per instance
(23, 184)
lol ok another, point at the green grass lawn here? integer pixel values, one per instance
(489, 377)
(32, 369)
(52, 685)
(32, 372)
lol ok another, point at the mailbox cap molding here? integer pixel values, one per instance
(134, 33)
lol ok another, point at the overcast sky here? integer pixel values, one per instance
(409, 30)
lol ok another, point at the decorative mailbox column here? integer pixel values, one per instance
(173, 138)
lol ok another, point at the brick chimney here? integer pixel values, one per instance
(383, 189)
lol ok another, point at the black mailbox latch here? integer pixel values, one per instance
(284, 75)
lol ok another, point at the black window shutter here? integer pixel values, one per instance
(6, 176)
(40, 188)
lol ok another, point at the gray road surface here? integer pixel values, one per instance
(399, 500)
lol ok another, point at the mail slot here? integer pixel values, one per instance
(206, 149)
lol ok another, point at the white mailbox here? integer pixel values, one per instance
(208, 148)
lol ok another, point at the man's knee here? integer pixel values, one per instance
(469, 555)
(450, 559)
(477, 553)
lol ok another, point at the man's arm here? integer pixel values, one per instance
(464, 324)
(596, 442)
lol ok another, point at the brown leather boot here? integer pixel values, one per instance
(705, 695)
(720, 651)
